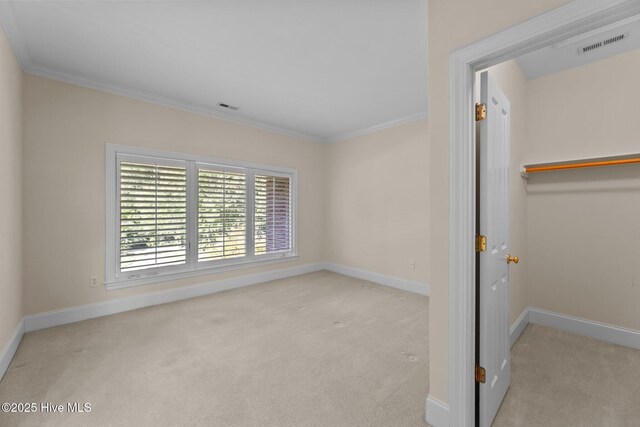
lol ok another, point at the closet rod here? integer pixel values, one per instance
(578, 164)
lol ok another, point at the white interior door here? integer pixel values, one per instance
(493, 210)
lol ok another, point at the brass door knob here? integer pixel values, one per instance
(513, 259)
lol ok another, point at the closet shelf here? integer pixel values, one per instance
(625, 159)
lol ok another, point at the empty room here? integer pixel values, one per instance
(215, 213)
(319, 213)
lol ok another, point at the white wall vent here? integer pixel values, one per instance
(227, 106)
(602, 43)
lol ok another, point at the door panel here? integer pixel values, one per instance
(493, 222)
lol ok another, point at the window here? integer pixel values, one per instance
(222, 214)
(272, 214)
(175, 214)
(152, 214)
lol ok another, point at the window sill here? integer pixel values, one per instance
(122, 284)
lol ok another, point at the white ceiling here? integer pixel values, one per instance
(563, 56)
(319, 69)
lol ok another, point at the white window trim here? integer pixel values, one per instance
(112, 281)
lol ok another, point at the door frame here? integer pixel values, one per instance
(551, 27)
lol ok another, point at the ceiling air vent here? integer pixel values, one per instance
(227, 106)
(602, 43)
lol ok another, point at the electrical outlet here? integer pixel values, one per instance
(412, 264)
(94, 281)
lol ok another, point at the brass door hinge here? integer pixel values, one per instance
(481, 243)
(481, 374)
(481, 112)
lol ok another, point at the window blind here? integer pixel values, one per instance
(179, 214)
(153, 215)
(272, 214)
(222, 200)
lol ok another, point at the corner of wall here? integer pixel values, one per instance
(326, 167)
(23, 132)
(11, 188)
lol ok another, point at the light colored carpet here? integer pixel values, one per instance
(561, 379)
(315, 350)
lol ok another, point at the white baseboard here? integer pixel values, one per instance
(393, 282)
(10, 348)
(518, 326)
(600, 331)
(437, 413)
(89, 311)
(64, 316)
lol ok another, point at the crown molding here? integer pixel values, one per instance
(164, 101)
(8, 19)
(386, 125)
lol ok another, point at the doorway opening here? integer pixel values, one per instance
(555, 27)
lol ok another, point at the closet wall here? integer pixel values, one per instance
(583, 226)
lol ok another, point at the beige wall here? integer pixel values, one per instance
(580, 258)
(349, 224)
(10, 191)
(66, 130)
(64, 238)
(512, 81)
(453, 24)
(376, 202)
(584, 238)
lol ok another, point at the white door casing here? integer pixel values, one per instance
(493, 211)
(571, 19)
